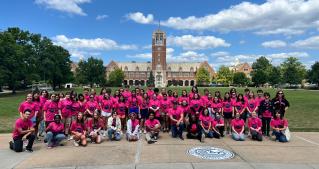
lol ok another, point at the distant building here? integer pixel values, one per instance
(137, 73)
(74, 66)
(242, 67)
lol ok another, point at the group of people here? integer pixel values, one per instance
(90, 116)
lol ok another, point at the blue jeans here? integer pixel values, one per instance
(54, 139)
(209, 134)
(238, 137)
(117, 136)
(280, 136)
(177, 131)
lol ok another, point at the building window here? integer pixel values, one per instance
(148, 69)
(159, 59)
(137, 68)
(245, 69)
(125, 69)
(192, 69)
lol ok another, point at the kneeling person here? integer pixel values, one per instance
(55, 132)
(153, 127)
(254, 124)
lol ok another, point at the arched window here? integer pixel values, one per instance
(169, 68)
(180, 69)
(148, 69)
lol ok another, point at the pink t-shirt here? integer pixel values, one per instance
(238, 124)
(77, 127)
(154, 104)
(51, 108)
(134, 123)
(90, 124)
(227, 106)
(176, 113)
(133, 102)
(165, 105)
(259, 99)
(204, 100)
(82, 106)
(252, 104)
(120, 108)
(126, 94)
(254, 123)
(42, 101)
(27, 106)
(66, 107)
(92, 106)
(215, 122)
(107, 105)
(144, 104)
(196, 104)
(55, 127)
(206, 120)
(151, 123)
(233, 100)
(185, 109)
(182, 98)
(217, 107)
(150, 93)
(76, 107)
(115, 100)
(23, 124)
(239, 106)
(279, 123)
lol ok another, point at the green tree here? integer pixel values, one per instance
(91, 71)
(202, 76)
(224, 75)
(240, 79)
(116, 77)
(293, 71)
(313, 74)
(151, 80)
(261, 70)
(275, 76)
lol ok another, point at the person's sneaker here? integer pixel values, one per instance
(181, 137)
(144, 131)
(202, 138)
(75, 143)
(11, 145)
(140, 131)
(70, 138)
(151, 142)
(29, 150)
(155, 137)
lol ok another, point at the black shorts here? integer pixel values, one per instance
(144, 113)
(228, 115)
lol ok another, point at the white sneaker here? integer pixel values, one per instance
(75, 143)
(70, 138)
(144, 131)
(140, 131)
(203, 138)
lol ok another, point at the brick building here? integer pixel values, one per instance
(137, 73)
(242, 67)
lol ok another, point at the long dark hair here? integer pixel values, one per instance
(242, 100)
(36, 99)
(80, 121)
(227, 99)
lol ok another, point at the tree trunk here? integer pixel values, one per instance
(14, 89)
(91, 85)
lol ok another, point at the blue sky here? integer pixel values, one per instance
(221, 32)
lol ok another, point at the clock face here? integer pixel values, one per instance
(159, 48)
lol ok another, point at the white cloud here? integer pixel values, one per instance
(310, 43)
(274, 44)
(221, 53)
(69, 6)
(141, 56)
(101, 17)
(242, 42)
(140, 18)
(288, 17)
(189, 56)
(190, 42)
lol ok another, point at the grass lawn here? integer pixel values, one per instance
(303, 113)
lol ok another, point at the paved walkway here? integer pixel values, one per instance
(167, 153)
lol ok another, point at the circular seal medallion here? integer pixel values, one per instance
(211, 153)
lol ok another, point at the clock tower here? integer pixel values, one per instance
(159, 57)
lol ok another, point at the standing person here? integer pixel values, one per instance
(23, 130)
(238, 127)
(177, 121)
(106, 104)
(116, 97)
(227, 111)
(219, 96)
(55, 132)
(150, 92)
(252, 104)
(165, 104)
(153, 128)
(204, 98)
(175, 97)
(196, 105)
(127, 93)
(246, 94)
(43, 98)
(206, 125)
(233, 97)
(183, 97)
(133, 103)
(86, 94)
(194, 129)
(37, 118)
(28, 105)
(50, 109)
(193, 91)
(120, 109)
(279, 125)
(155, 107)
(102, 93)
(280, 103)
(78, 131)
(240, 107)
(61, 96)
(216, 106)
(254, 124)
(260, 96)
(90, 107)
(94, 127)
(144, 110)
(186, 111)
(218, 126)
(133, 124)
(266, 113)
(82, 102)
(114, 130)
(76, 106)
(65, 107)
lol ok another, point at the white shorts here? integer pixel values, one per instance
(106, 114)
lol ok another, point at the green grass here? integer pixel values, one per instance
(303, 113)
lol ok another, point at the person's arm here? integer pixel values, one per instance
(180, 120)
(171, 116)
(22, 132)
(48, 128)
(233, 129)
(129, 127)
(135, 132)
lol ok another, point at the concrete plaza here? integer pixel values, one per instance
(168, 153)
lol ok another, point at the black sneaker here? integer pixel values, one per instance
(181, 137)
(11, 145)
(151, 142)
(29, 150)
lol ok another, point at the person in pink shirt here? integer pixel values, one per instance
(86, 94)
(219, 95)
(266, 113)
(246, 94)
(39, 117)
(194, 130)
(50, 109)
(183, 97)
(144, 106)
(279, 125)
(193, 91)
(23, 129)
(254, 124)
(216, 106)
(208, 103)
(28, 105)
(153, 128)
(150, 92)
(175, 97)
(240, 106)
(170, 95)
(65, 107)
(233, 97)
(165, 105)
(206, 124)
(78, 130)
(133, 103)
(227, 111)
(90, 107)
(154, 106)
(44, 97)
(196, 105)
(260, 96)
(101, 96)
(252, 104)
(127, 93)
(133, 126)
(238, 127)
(218, 126)
(204, 98)
(61, 96)
(116, 97)
(120, 108)
(76, 106)
(177, 121)
(55, 132)
(82, 102)
(94, 127)
(106, 107)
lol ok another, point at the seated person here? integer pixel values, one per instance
(254, 124)
(152, 127)
(133, 125)
(78, 130)
(238, 127)
(94, 127)
(114, 130)
(23, 130)
(218, 126)
(279, 124)
(55, 132)
(194, 130)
